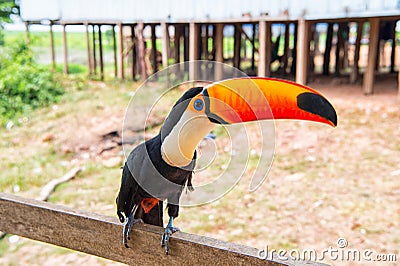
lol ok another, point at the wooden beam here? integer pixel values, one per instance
(369, 76)
(89, 54)
(186, 43)
(101, 55)
(253, 49)
(294, 51)
(52, 52)
(121, 71)
(286, 48)
(65, 47)
(27, 34)
(153, 48)
(236, 45)
(193, 49)
(355, 68)
(134, 66)
(393, 52)
(114, 51)
(177, 43)
(165, 44)
(94, 50)
(219, 50)
(303, 50)
(339, 48)
(141, 51)
(264, 49)
(328, 47)
(101, 236)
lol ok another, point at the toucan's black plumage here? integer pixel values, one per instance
(146, 165)
(160, 168)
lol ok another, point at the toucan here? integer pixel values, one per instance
(158, 169)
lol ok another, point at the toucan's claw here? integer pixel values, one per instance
(128, 228)
(169, 230)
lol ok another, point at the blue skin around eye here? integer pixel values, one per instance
(198, 105)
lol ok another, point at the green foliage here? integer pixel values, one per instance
(24, 85)
(7, 9)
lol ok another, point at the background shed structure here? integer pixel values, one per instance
(193, 30)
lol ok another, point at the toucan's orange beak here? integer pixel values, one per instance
(250, 99)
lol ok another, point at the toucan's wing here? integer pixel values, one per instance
(131, 196)
(126, 194)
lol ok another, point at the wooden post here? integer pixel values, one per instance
(328, 47)
(253, 49)
(219, 50)
(94, 50)
(101, 55)
(142, 51)
(369, 75)
(393, 52)
(303, 49)
(294, 51)
(203, 42)
(27, 37)
(207, 53)
(134, 66)
(115, 51)
(101, 236)
(339, 46)
(153, 48)
(213, 38)
(121, 72)
(193, 49)
(286, 48)
(66, 70)
(236, 46)
(165, 44)
(314, 37)
(355, 68)
(264, 49)
(52, 52)
(177, 43)
(89, 54)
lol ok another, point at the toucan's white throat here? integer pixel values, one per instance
(179, 146)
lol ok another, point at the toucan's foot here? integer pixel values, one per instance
(128, 228)
(169, 230)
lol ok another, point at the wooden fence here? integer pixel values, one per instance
(102, 236)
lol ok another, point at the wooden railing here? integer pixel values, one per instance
(102, 236)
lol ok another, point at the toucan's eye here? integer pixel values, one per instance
(198, 105)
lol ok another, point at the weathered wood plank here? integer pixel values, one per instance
(102, 236)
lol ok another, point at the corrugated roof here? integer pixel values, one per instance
(177, 10)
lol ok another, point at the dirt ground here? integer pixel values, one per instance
(325, 183)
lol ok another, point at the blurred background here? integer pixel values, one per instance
(68, 70)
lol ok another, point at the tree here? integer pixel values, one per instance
(8, 8)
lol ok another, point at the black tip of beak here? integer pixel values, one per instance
(317, 105)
